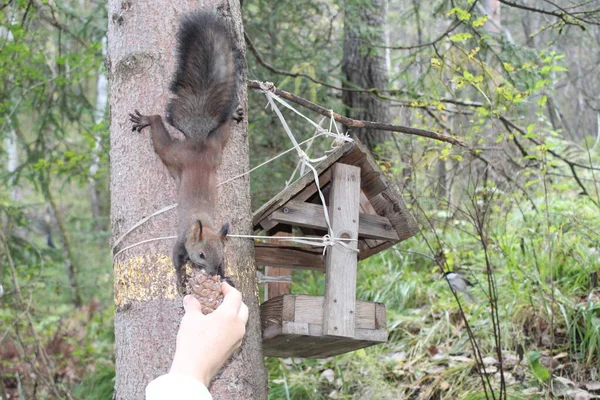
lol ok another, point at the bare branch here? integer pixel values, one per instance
(567, 17)
(354, 123)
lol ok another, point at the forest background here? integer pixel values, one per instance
(513, 205)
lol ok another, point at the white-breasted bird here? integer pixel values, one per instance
(460, 284)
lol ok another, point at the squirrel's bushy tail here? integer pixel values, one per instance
(205, 82)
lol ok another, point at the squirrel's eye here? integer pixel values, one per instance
(201, 255)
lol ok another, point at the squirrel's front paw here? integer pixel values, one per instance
(139, 121)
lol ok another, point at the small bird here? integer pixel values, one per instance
(460, 284)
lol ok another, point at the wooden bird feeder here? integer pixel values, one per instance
(362, 204)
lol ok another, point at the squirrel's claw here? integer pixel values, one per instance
(238, 115)
(139, 121)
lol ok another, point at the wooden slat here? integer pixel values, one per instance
(340, 262)
(367, 208)
(289, 256)
(390, 204)
(380, 317)
(299, 185)
(295, 328)
(306, 312)
(275, 289)
(311, 216)
(311, 189)
(287, 345)
(366, 251)
(271, 312)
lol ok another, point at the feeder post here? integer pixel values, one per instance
(340, 262)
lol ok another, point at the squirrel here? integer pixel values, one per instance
(204, 103)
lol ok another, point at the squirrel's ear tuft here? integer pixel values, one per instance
(224, 230)
(196, 234)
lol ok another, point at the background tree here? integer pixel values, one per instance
(366, 67)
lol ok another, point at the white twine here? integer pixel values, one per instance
(262, 278)
(140, 222)
(142, 242)
(325, 241)
(307, 161)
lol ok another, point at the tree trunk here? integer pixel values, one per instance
(366, 66)
(142, 48)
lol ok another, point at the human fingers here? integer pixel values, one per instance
(232, 299)
(191, 304)
(243, 314)
(226, 287)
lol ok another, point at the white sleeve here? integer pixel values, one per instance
(177, 386)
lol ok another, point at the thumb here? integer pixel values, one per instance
(191, 304)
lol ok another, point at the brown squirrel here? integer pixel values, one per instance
(204, 103)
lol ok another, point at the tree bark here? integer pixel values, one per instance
(365, 66)
(142, 46)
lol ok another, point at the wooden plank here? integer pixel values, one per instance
(340, 261)
(366, 251)
(289, 256)
(390, 204)
(311, 216)
(380, 317)
(271, 312)
(289, 308)
(367, 208)
(295, 188)
(267, 224)
(306, 346)
(311, 189)
(309, 309)
(275, 289)
(298, 328)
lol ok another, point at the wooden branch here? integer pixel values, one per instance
(354, 123)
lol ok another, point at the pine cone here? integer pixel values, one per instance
(207, 290)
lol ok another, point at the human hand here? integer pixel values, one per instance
(205, 342)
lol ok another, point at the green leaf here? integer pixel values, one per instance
(460, 37)
(536, 368)
(479, 22)
(542, 101)
(436, 62)
(508, 67)
(461, 14)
